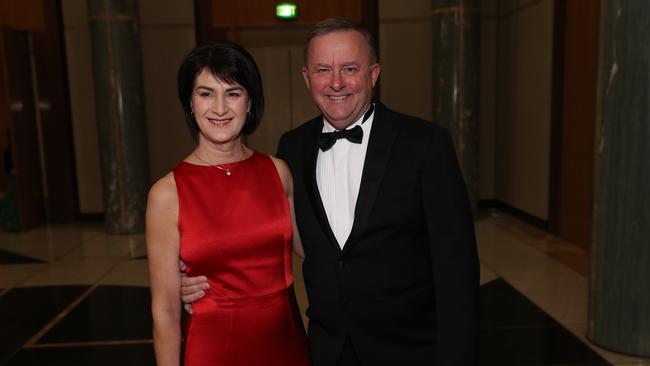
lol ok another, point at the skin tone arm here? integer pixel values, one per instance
(287, 184)
(163, 245)
(193, 287)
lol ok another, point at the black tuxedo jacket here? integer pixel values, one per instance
(404, 288)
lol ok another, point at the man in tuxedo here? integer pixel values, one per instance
(391, 268)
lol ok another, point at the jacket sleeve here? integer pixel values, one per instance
(282, 147)
(454, 255)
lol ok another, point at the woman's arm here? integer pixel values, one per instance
(163, 246)
(287, 184)
(297, 243)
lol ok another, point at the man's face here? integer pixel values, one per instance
(340, 77)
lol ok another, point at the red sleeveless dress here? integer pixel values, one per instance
(236, 230)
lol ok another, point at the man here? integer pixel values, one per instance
(390, 268)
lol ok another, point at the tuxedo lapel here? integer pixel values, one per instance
(310, 153)
(382, 136)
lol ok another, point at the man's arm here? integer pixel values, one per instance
(453, 252)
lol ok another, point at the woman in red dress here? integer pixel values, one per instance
(227, 212)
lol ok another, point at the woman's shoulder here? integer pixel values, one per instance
(279, 163)
(283, 171)
(163, 192)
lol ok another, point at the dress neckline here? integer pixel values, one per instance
(225, 165)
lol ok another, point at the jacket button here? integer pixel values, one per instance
(341, 264)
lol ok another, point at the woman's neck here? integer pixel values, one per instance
(215, 153)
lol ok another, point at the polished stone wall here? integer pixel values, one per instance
(619, 316)
(120, 111)
(456, 45)
(167, 34)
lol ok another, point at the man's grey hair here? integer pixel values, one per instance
(332, 25)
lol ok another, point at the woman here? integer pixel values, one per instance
(228, 212)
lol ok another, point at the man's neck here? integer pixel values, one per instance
(368, 111)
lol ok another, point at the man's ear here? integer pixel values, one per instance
(375, 69)
(305, 76)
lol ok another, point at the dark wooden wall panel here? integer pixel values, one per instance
(55, 117)
(219, 20)
(261, 13)
(22, 14)
(571, 200)
(5, 116)
(17, 75)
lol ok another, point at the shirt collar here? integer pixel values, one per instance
(366, 119)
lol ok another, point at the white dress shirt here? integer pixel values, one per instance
(338, 175)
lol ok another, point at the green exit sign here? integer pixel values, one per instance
(286, 11)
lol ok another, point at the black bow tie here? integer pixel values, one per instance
(355, 135)
(327, 139)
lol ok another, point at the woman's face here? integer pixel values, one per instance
(219, 108)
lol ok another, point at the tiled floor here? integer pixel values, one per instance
(73, 295)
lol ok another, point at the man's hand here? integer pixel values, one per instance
(192, 288)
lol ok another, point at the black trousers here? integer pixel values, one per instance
(348, 355)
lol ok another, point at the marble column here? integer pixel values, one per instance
(619, 300)
(456, 49)
(119, 98)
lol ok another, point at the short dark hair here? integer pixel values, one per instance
(332, 25)
(230, 63)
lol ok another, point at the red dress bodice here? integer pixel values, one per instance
(236, 230)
